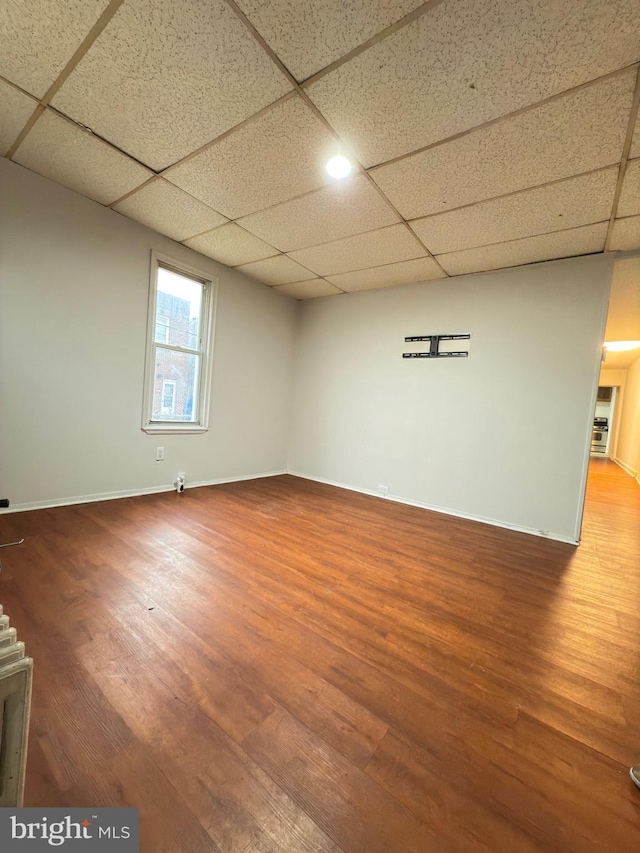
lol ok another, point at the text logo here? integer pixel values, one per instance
(102, 830)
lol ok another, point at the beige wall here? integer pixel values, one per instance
(628, 447)
(612, 377)
(462, 435)
(73, 316)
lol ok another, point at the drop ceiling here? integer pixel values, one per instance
(484, 133)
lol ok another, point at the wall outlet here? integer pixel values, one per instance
(159, 454)
(384, 490)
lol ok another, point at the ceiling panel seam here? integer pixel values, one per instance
(228, 132)
(378, 37)
(543, 185)
(78, 54)
(633, 115)
(349, 237)
(527, 237)
(412, 219)
(505, 117)
(259, 38)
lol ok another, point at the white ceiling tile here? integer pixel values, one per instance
(626, 234)
(579, 132)
(39, 37)
(169, 210)
(561, 244)
(383, 246)
(629, 203)
(468, 61)
(308, 289)
(15, 110)
(309, 36)
(339, 210)
(405, 272)
(58, 149)
(278, 270)
(279, 155)
(231, 245)
(164, 78)
(569, 203)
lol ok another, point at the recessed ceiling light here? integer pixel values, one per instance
(622, 346)
(338, 167)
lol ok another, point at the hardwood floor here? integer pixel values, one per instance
(279, 666)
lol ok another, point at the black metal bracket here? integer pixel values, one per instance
(434, 346)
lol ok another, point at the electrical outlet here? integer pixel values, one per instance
(384, 490)
(159, 454)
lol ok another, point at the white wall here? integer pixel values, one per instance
(74, 280)
(628, 446)
(502, 435)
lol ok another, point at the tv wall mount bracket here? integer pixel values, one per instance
(434, 346)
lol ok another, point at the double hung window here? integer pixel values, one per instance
(177, 375)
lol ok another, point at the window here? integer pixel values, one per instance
(168, 397)
(178, 348)
(162, 330)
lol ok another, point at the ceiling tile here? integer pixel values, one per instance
(168, 210)
(383, 246)
(405, 272)
(15, 109)
(231, 245)
(569, 203)
(579, 132)
(164, 78)
(308, 289)
(39, 37)
(278, 270)
(59, 149)
(626, 234)
(309, 36)
(279, 155)
(339, 210)
(468, 61)
(560, 244)
(629, 203)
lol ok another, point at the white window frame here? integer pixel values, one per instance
(165, 326)
(204, 347)
(172, 384)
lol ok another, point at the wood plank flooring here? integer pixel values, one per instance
(278, 666)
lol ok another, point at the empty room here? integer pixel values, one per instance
(320, 426)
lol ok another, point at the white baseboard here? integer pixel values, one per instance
(442, 510)
(130, 493)
(222, 480)
(627, 468)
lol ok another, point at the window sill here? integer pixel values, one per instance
(168, 429)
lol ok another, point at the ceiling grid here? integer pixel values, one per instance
(492, 134)
(633, 117)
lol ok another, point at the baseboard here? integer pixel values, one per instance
(130, 493)
(442, 510)
(626, 468)
(222, 480)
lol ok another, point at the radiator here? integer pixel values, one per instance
(15, 702)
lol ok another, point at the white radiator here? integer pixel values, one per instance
(15, 702)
